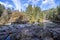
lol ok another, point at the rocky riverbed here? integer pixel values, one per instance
(29, 32)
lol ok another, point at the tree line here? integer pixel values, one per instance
(33, 13)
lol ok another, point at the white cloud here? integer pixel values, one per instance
(10, 6)
(17, 4)
(48, 4)
(48, 1)
(1, 3)
(6, 4)
(25, 5)
(44, 2)
(34, 2)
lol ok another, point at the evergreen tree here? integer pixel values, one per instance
(1, 9)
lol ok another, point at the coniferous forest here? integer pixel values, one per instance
(30, 15)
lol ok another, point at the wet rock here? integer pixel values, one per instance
(30, 32)
(48, 38)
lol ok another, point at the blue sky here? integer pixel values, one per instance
(22, 4)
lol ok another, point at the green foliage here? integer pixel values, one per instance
(58, 10)
(1, 9)
(29, 9)
(34, 13)
(9, 11)
(37, 11)
(53, 14)
(50, 14)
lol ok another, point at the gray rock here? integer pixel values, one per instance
(29, 32)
